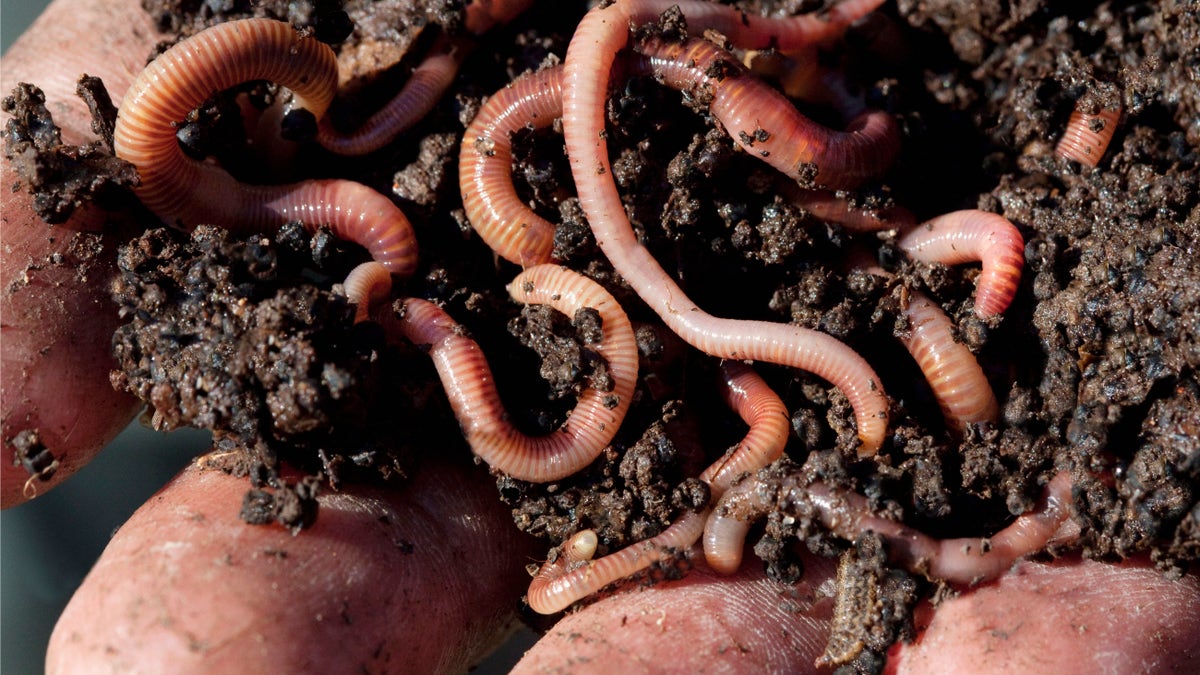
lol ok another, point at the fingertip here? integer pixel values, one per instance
(385, 579)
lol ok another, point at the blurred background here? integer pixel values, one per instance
(48, 545)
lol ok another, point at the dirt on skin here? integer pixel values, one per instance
(1095, 364)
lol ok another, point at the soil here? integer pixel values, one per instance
(1095, 364)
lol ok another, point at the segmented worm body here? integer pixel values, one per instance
(425, 85)
(367, 284)
(953, 372)
(968, 236)
(469, 385)
(600, 35)
(1087, 136)
(761, 408)
(739, 100)
(848, 515)
(183, 191)
(574, 575)
(506, 225)
(420, 93)
(571, 578)
(951, 369)
(765, 123)
(829, 207)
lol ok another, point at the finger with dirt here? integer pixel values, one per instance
(57, 408)
(424, 579)
(1065, 616)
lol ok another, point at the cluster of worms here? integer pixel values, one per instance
(759, 119)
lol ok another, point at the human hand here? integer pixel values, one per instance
(426, 578)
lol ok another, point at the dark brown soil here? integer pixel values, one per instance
(1095, 364)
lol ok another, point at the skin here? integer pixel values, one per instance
(427, 578)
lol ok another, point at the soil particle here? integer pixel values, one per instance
(61, 177)
(220, 336)
(32, 455)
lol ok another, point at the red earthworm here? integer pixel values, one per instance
(1087, 136)
(505, 224)
(420, 93)
(967, 560)
(184, 191)
(574, 575)
(593, 48)
(367, 284)
(953, 372)
(769, 422)
(766, 124)
(828, 206)
(469, 385)
(521, 236)
(483, 15)
(950, 368)
(424, 87)
(966, 236)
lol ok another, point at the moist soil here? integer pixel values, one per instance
(1095, 363)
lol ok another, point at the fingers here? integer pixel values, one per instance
(57, 408)
(1068, 616)
(702, 623)
(422, 577)
(1082, 616)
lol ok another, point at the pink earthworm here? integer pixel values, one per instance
(967, 236)
(470, 387)
(420, 93)
(953, 372)
(766, 124)
(951, 369)
(574, 575)
(425, 85)
(516, 233)
(187, 192)
(365, 285)
(590, 57)
(964, 560)
(513, 230)
(769, 422)
(828, 206)
(571, 578)
(1087, 136)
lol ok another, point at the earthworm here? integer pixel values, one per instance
(828, 206)
(184, 191)
(950, 368)
(425, 85)
(521, 236)
(761, 408)
(953, 372)
(505, 224)
(366, 284)
(767, 125)
(571, 578)
(574, 575)
(1087, 136)
(966, 236)
(420, 93)
(966, 560)
(590, 56)
(470, 387)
